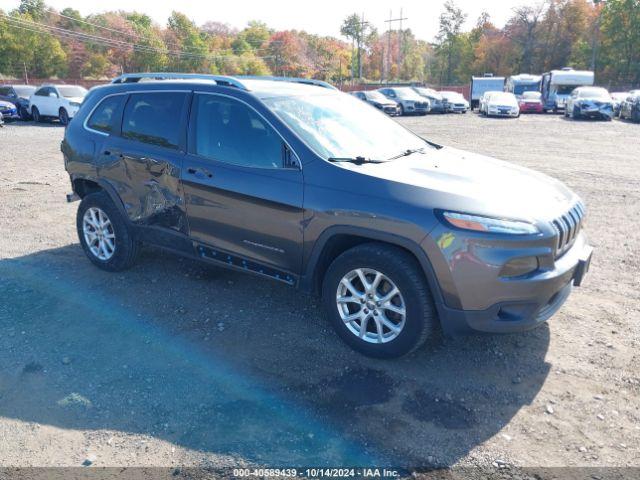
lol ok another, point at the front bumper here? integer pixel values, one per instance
(11, 114)
(498, 113)
(514, 304)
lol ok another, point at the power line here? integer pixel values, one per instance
(122, 32)
(113, 43)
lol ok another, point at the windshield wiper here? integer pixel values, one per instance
(408, 152)
(356, 160)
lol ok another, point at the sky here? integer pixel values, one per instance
(322, 18)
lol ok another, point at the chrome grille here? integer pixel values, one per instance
(568, 227)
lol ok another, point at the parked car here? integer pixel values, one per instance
(618, 98)
(396, 233)
(8, 111)
(630, 108)
(379, 101)
(589, 102)
(531, 102)
(502, 104)
(482, 102)
(454, 102)
(56, 101)
(436, 101)
(19, 96)
(410, 102)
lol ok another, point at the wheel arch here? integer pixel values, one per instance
(338, 239)
(83, 186)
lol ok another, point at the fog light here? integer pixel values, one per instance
(519, 266)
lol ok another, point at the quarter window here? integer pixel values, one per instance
(229, 131)
(106, 116)
(154, 118)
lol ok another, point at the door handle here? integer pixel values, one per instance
(200, 172)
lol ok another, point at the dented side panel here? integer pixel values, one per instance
(147, 179)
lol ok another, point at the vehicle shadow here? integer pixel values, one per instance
(223, 363)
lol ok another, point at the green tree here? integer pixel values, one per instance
(449, 41)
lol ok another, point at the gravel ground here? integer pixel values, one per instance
(174, 363)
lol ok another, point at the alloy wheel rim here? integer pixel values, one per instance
(98, 233)
(371, 305)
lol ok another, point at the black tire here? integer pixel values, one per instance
(126, 245)
(402, 111)
(63, 117)
(24, 115)
(35, 113)
(403, 270)
(575, 114)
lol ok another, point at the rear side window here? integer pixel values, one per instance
(229, 131)
(5, 91)
(154, 118)
(106, 117)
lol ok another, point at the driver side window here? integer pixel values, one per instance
(229, 131)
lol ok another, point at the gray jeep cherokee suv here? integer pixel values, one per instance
(311, 187)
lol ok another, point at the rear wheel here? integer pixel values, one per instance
(104, 234)
(378, 301)
(401, 110)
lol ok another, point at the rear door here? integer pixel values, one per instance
(144, 159)
(243, 188)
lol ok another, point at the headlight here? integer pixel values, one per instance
(487, 224)
(74, 104)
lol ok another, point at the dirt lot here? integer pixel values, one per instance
(177, 363)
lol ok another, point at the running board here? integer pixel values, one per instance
(239, 263)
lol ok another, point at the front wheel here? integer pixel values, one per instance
(401, 111)
(24, 115)
(378, 301)
(104, 234)
(35, 113)
(575, 113)
(63, 116)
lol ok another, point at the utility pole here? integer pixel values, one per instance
(362, 25)
(391, 21)
(26, 77)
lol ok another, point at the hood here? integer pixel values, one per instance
(595, 100)
(473, 183)
(74, 99)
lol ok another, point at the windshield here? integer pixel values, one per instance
(565, 89)
(24, 91)
(407, 94)
(525, 87)
(594, 93)
(376, 97)
(339, 126)
(531, 95)
(70, 91)
(427, 93)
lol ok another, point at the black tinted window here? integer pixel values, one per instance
(43, 92)
(5, 91)
(154, 118)
(230, 131)
(106, 116)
